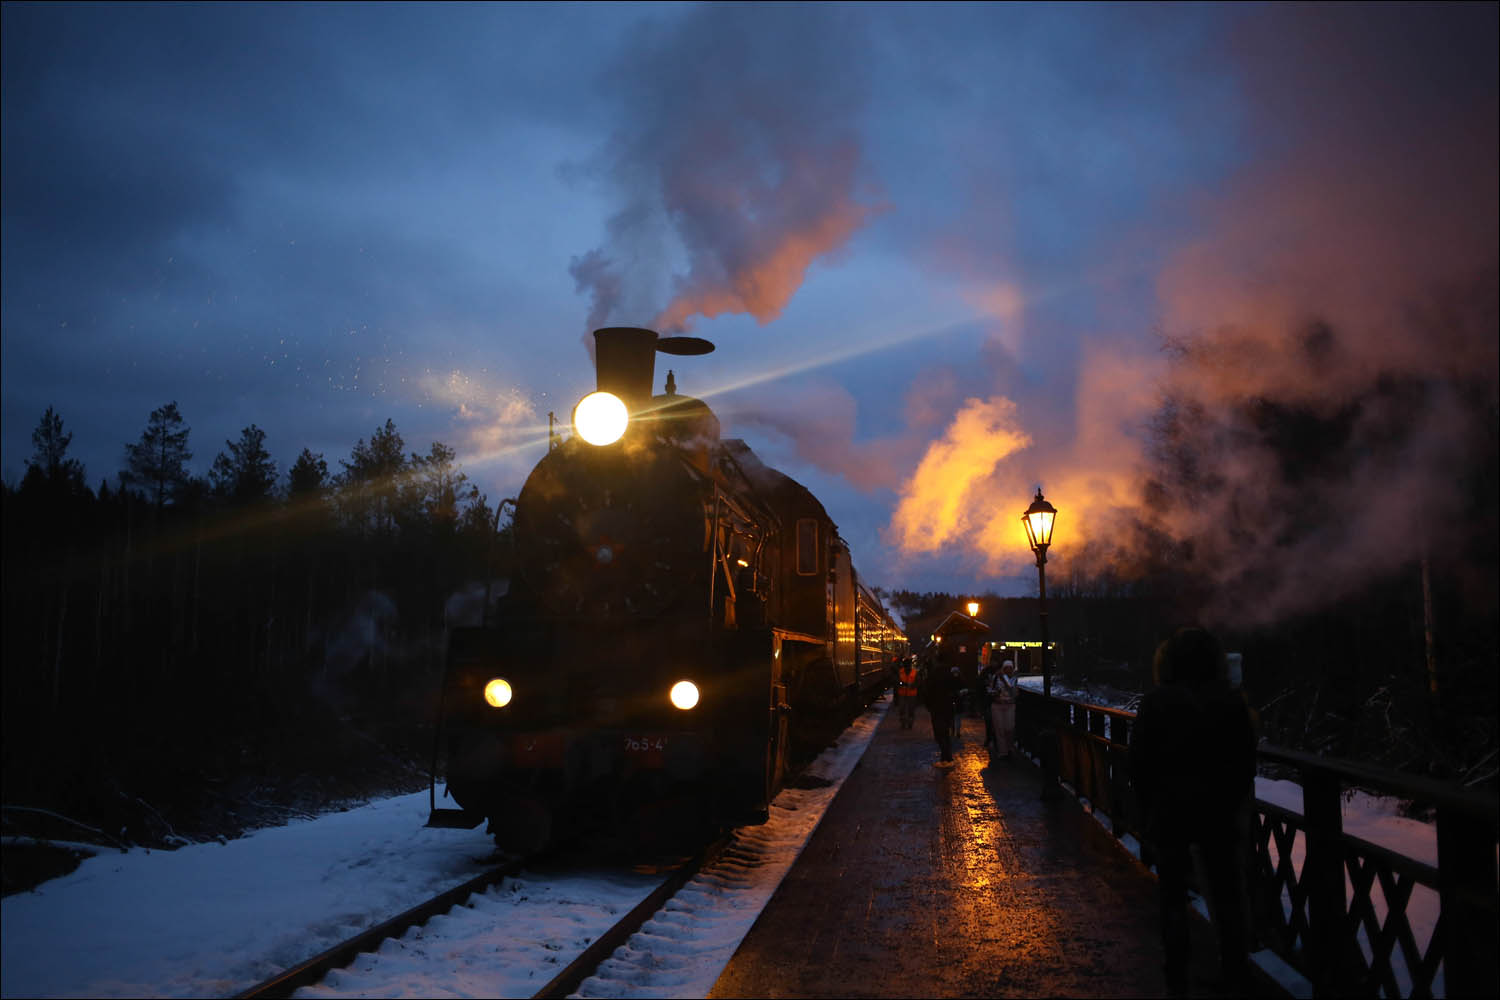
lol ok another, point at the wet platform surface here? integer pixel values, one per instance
(930, 882)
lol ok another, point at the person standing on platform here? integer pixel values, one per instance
(1192, 762)
(1003, 708)
(989, 663)
(940, 691)
(960, 700)
(906, 692)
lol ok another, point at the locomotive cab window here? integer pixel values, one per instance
(807, 546)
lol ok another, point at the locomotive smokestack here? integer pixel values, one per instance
(625, 363)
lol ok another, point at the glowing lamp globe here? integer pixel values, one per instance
(684, 695)
(1038, 520)
(497, 693)
(600, 418)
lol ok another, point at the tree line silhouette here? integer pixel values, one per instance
(183, 631)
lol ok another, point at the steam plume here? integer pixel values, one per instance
(738, 141)
(1326, 407)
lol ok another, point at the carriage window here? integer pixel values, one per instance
(807, 547)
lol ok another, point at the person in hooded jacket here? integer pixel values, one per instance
(1192, 763)
(1003, 708)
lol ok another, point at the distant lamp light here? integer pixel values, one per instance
(973, 607)
(498, 692)
(600, 418)
(1038, 520)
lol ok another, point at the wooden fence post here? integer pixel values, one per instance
(1323, 875)
(1466, 887)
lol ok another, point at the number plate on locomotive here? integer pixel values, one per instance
(645, 744)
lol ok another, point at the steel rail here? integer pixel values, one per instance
(285, 983)
(566, 982)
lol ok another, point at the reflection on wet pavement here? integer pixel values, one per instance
(927, 882)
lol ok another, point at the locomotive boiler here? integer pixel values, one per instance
(681, 621)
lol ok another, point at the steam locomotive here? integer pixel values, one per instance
(681, 619)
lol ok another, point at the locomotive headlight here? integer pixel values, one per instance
(600, 418)
(684, 695)
(497, 692)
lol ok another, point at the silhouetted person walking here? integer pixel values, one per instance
(1192, 760)
(940, 690)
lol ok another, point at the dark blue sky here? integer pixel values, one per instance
(901, 225)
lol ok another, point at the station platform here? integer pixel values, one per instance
(924, 881)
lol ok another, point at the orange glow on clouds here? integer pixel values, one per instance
(972, 484)
(943, 500)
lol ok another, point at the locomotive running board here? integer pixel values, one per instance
(454, 819)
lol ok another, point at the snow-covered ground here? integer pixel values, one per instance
(215, 919)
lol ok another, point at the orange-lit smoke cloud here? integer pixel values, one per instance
(971, 485)
(755, 254)
(1346, 277)
(737, 165)
(945, 499)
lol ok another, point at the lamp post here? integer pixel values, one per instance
(1038, 519)
(973, 607)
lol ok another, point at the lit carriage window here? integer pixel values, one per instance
(807, 547)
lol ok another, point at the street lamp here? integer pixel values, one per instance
(973, 607)
(1038, 519)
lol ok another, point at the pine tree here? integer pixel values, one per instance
(158, 462)
(307, 477)
(438, 485)
(246, 474)
(50, 461)
(371, 482)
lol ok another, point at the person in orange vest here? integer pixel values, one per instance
(906, 692)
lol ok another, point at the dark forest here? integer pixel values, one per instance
(186, 657)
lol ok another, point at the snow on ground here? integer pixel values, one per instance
(681, 951)
(509, 941)
(214, 919)
(532, 928)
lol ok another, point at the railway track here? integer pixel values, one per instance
(553, 925)
(316, 969)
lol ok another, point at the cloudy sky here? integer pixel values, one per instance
(939, 248)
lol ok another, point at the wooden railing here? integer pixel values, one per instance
(1324, 917)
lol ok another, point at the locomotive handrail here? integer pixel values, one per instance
(1323, 919)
